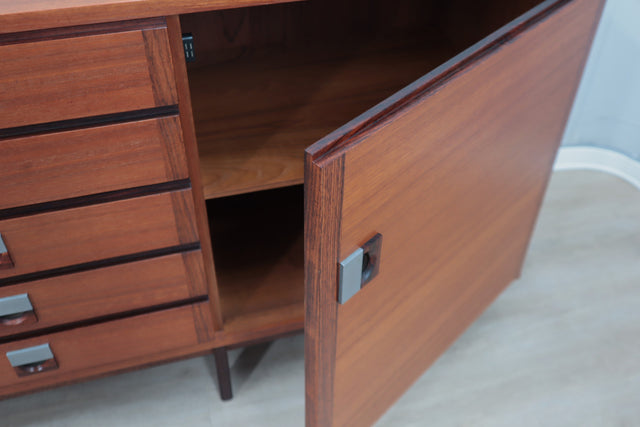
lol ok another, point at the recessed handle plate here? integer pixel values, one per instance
(15, 304)
(32, 360)
(350, 276)
(5, 258)
(16, 310)
(30, 355)
(359, 268)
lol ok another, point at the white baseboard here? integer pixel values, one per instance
(600, 159)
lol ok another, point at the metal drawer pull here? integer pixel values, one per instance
(5, 258)
(32, 360)
(16, 310)
(357, 270)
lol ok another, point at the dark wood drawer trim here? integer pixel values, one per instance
(380, 114)
(92, 233)
(81, 30)
(106, 197)
(44, 168)
(59, 79)
(87, 122)
(100, 319)
(99, 349)
(24, 278)
(122, 288)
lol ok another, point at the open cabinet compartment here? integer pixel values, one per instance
(257, 241)
(269, 81)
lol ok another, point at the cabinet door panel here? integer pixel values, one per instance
(451, 171)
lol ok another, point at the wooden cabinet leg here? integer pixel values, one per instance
(224, 374)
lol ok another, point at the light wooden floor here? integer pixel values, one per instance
(561, 347)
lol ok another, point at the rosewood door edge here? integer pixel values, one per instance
(386, 111)
(323, 207)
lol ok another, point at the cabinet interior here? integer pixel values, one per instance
(257, 241)
(267, 82)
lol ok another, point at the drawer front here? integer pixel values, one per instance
(93, 350)
(61, 165)
(105, 291)
(70, 77)
(91, 233)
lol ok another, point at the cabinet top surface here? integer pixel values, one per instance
(27, 15)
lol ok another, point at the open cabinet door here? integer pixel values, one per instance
(450, 172)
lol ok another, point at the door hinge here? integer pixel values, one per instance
(357, 270)
(187, 43)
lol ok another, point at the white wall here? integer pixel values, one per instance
(606, 112)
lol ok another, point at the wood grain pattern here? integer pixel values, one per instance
(452, 178)
(39, 14)
(42, 168)
(110, 290)
(254, 118)
(91, 233)
(66, 78)
(82, 30)
(431, 82)
(193, 165)
(323, 214)
(160, 64)
(94, 350)
(260, 326)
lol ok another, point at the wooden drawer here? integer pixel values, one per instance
(61, 76)
(92, 350)
(61, 165)
(110, 290)
(91, 233)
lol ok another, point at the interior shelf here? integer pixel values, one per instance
(255, 116)
(258, 249)
(269, 81)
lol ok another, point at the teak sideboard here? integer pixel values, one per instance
(153, 208)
